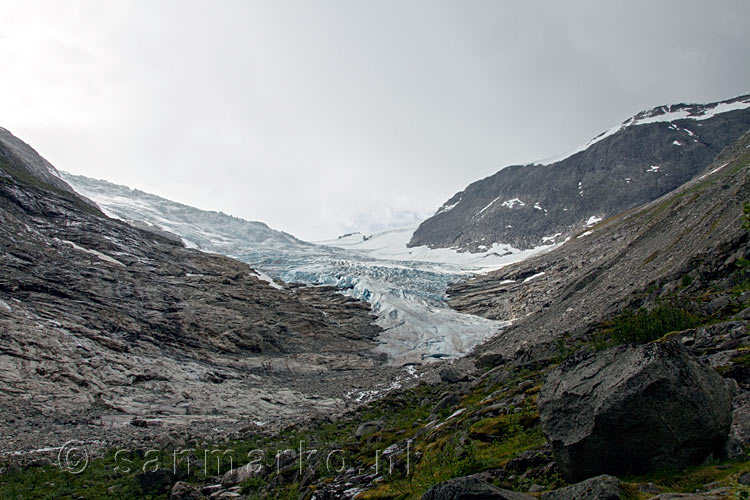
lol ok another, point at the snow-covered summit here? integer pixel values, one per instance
(665, 113)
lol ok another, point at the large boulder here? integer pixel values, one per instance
(471, 488)
(633, 409)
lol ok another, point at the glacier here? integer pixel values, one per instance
(406, 287)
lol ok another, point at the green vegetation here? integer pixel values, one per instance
(694, 479)
(687, 280)
(744, 264)
(647, 325)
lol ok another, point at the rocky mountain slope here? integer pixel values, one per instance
(641, 159)
(688, 237)
(404, 286)
(210, 231)
(103, 325)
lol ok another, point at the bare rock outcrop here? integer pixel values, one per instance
(633, 409)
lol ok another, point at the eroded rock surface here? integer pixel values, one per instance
(634, 409)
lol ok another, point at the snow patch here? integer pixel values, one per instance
(486, 207)
(677, 143)
(594, 219)
(691, 112)
(264, 277)
(537, 275)
(546, 239)
(447, 208)
(95, 253)
(713, 171)
(653, 168)
(513, 203)
(659, 114)
(585, 234)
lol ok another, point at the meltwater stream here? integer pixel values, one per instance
(406, 287)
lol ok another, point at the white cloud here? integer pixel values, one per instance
(319, 117)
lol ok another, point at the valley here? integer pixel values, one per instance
(133, 323)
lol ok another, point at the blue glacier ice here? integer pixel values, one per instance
(406, 287)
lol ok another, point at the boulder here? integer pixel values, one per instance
(371, 427)
(471, 488)
(237, 475)
(453, 375)
(449, 400)
(172, 440)
(633, 409)
(155, 482)
(739, 434)
(596, 488)
(184, 491)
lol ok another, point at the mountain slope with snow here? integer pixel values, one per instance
(210, 231)
(405, 286)
(635, 162)
(393, 245)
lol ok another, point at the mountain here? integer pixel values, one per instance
(675, 267)
(683, 246)
(643, 158)
(405, 286)
(103, 325)
(210, 231)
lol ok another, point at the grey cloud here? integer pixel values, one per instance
(318, 117)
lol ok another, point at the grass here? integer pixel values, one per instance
(694, 479)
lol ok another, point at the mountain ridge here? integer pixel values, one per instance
(644, 157)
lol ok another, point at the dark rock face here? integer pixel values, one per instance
(633, 409)
(596, 488)
(520, 205)
(471, 488)
(156, 481)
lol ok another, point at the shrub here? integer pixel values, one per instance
(645, 325)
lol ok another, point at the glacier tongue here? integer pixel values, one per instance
(405, 286)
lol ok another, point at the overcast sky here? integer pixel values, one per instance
(323, 117)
